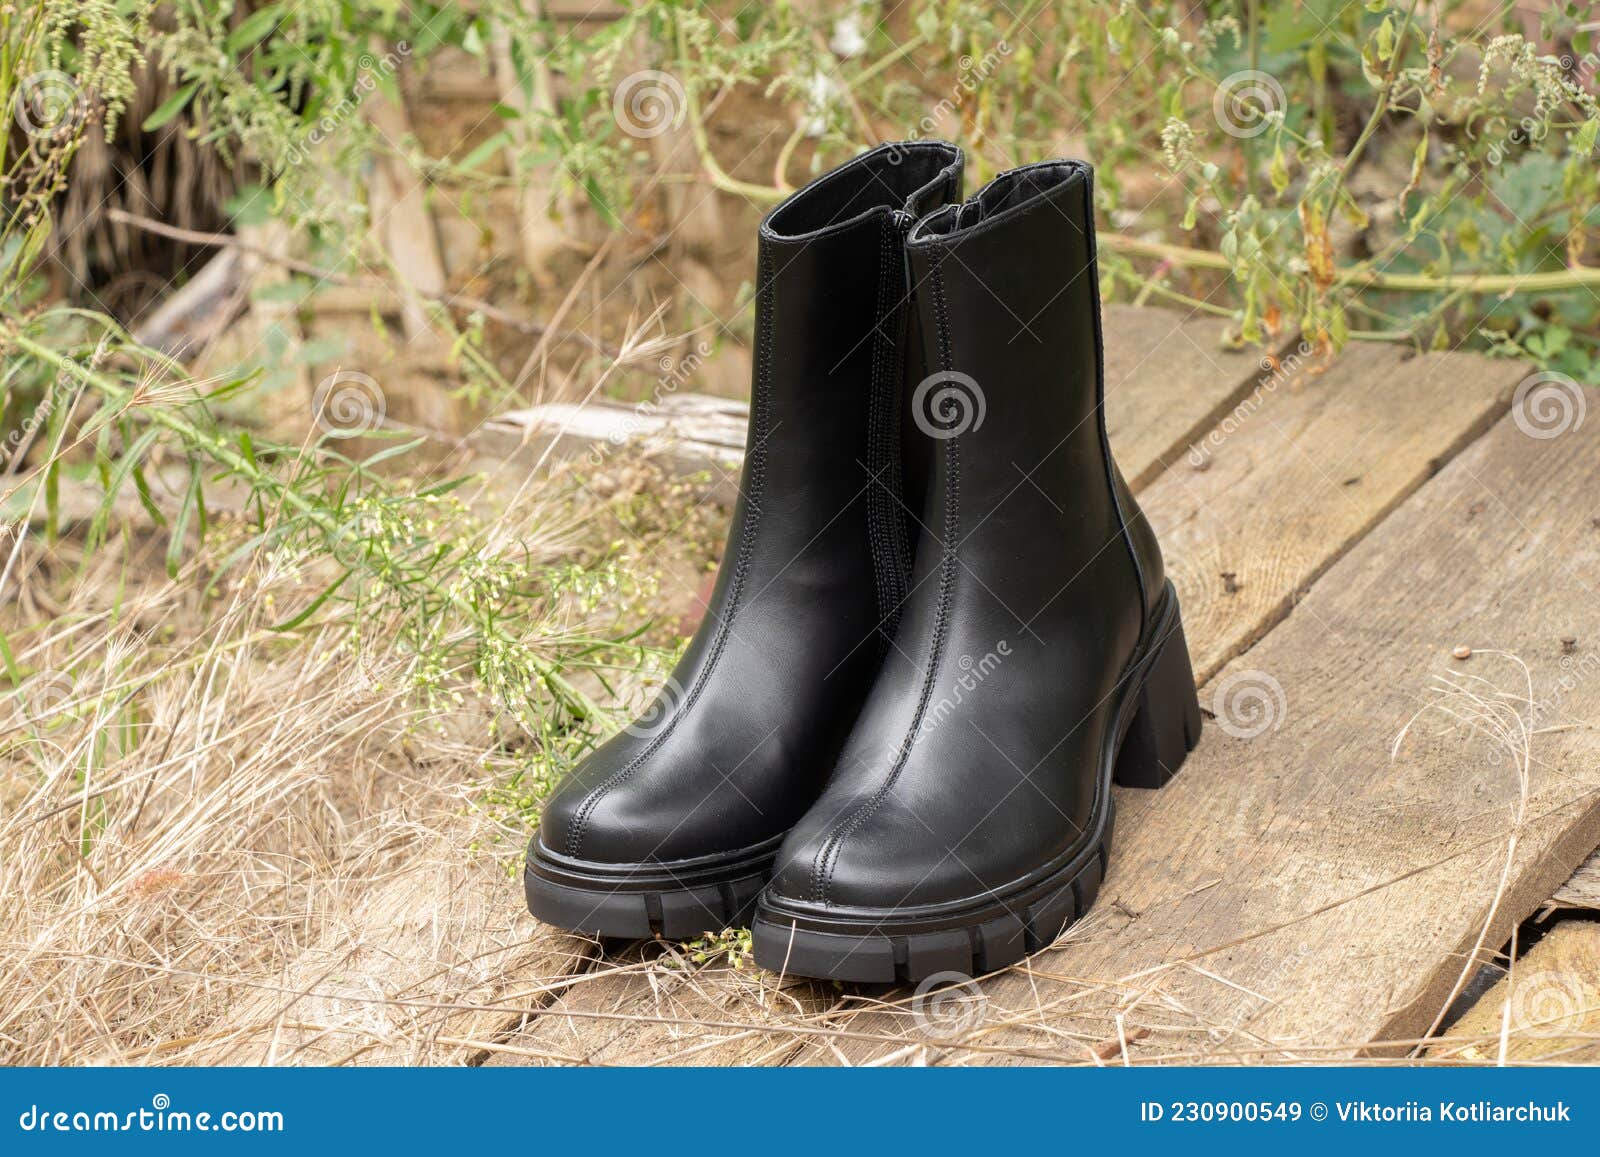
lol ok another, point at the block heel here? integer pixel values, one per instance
(1166, 721)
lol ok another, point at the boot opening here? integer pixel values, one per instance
(1007, 191)
(888, 177)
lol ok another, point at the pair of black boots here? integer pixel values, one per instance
(941, 629)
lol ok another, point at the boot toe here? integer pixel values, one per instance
(585, 818)
(875, 867)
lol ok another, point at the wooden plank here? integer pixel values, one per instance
(1292, 445)
(1547, 1009)
(1299, 470)
(1169, 377)
(654, 1001)
(421, 971)
(688, 434)
(1582, 889)
(1321, 888)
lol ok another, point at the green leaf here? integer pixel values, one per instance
(255, 28)
(1583, 140)
(52, 500)
(1386, 38)
(180, 528)
(292, 623)
(1279, 172)
(10, 661)
(170, 107)
(112, 482)
(141, 486)
(391, 452)
(484, 151)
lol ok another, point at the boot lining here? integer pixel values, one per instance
(876, 181)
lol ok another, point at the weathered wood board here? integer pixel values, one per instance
(437, 952)
(1168, 377)
(1301, 468)
(1582, 889)
(1301, 441)
(1317, 882)
(1547, 1009)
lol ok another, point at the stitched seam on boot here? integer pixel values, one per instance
(761, 416)
(885, 531)
(875, 528)
(827, 858)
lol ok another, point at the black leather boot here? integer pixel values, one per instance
(1039, 656)
(671, 826)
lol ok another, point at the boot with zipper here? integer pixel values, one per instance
(1039, 656)
(671, 826)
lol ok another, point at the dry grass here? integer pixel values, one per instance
(228, 844)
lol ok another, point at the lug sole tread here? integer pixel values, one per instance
(908, 958)
(674, 914)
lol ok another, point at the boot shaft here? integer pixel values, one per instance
(823, 477)
(1013, 408)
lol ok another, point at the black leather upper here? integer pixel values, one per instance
(976, 759)
(743, 738)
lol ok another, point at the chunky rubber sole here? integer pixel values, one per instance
(638, 901)
(1156, 726)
